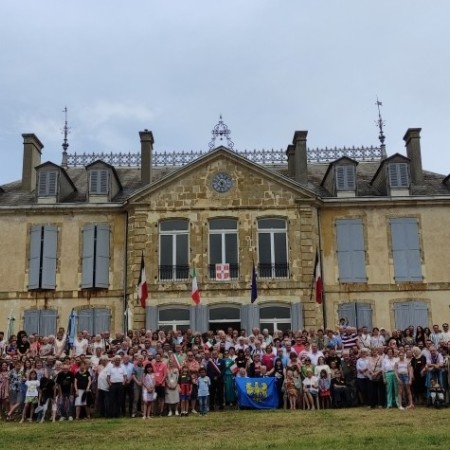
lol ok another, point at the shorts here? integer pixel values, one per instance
(404, 378)
(31, 400)
(79, 400)
(160, 391)
(194, 392)
(184, 392)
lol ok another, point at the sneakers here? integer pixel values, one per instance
(194, 411)
(70, 418)
(62, 419)
(143, 418)
(176, 412)
(401, 408)
(170, 413)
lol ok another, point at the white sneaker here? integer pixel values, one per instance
(401, 407)
(62, 419)
(170, 413)
(177, 413)
(144, 418)
(70, 418)
(194, 411)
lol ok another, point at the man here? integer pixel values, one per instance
(215, 369)
(314, 354)
(268, 340)
(160, 372)
(116, 377)
(364, 338)
(445, 335)
(64, 385)
(128, 387)
(436, 336)
(349, 337)
(138, 376)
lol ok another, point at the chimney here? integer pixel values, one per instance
(146, 156)
(300, 157)
(412, 142)
(290, 153)
(32, 150)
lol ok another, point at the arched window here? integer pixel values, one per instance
(275, 318)
(272, 248)
(173, 319)
(223, 317)
(174, 250)
(223, 247)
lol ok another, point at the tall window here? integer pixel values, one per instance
(98, 181)
(173, 250)
(272, 248)
(42, 263)
(173, 319)
(406, 249)
(223, 246)
(351, 251)
(95, 256)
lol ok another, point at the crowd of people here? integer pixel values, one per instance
(146, 373)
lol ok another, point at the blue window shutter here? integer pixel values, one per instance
(351, 250)
(364, 315)
(93, 181)
(87, 280)
(31, 321)
(102, 320)
(86, 320)
(48, 280)
(419, 314)
(297, 316)
(52, 183)
(43, 181)
(102, 257)
(348, 312)
(403, 316)
(34, 267)
(406, 249)
(47, 322)
(151, 317)
(103, 182)
(345, 178)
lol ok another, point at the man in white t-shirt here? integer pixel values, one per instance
(80, 345)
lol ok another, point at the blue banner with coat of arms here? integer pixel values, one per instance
(257, 393)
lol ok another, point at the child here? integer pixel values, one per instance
(31, 396)
(203, 383)
(185, 390)
(148, 391)
(437, 394)
(311, 385)
(46, 394)
(290, 388)
(324, 389)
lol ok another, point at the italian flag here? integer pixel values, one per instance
(318, 282)
(234, 368)
(195, 291)
(142, 284)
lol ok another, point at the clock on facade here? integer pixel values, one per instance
(222, 182)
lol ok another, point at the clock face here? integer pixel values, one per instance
(222, 182)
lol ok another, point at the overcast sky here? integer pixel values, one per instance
(270, 67)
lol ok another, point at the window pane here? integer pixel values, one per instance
(215, 248)
(231, 253)
(264, 248)
(223, 224)
(174, 225)
(280, 248)
(272, 312)
(225, 314)
(166, 250)
(166, 315)
(271, 223)
(182, 249)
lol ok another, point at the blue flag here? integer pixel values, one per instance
(70, 333)
(257, 393)
(254, 294)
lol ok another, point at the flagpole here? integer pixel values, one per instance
(324, 310)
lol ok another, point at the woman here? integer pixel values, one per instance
(376, 340)
(254, 368)
(389, 378)
(34, 346)
(228, 380)
(23, 344)
(278, 373)
(4, 389)
(403, 373)
(172, 397)
(307, 365)
(321, 365)
(11, 348)
(418, 365)
(310, 390)
(268, 357)
(408, 339)
(82, 385)
(420, 336)
(16, 392)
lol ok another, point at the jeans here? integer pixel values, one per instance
(66, 406)
(203, 403)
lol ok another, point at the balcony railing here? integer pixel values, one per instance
(174, 273)
(277, 270)
(234, 272)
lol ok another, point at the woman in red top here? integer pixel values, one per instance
(268, 357)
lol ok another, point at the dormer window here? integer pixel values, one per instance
(47, 185)
(398, 175)
(345, 178)
(98, 181)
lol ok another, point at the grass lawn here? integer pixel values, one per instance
(356, 428)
